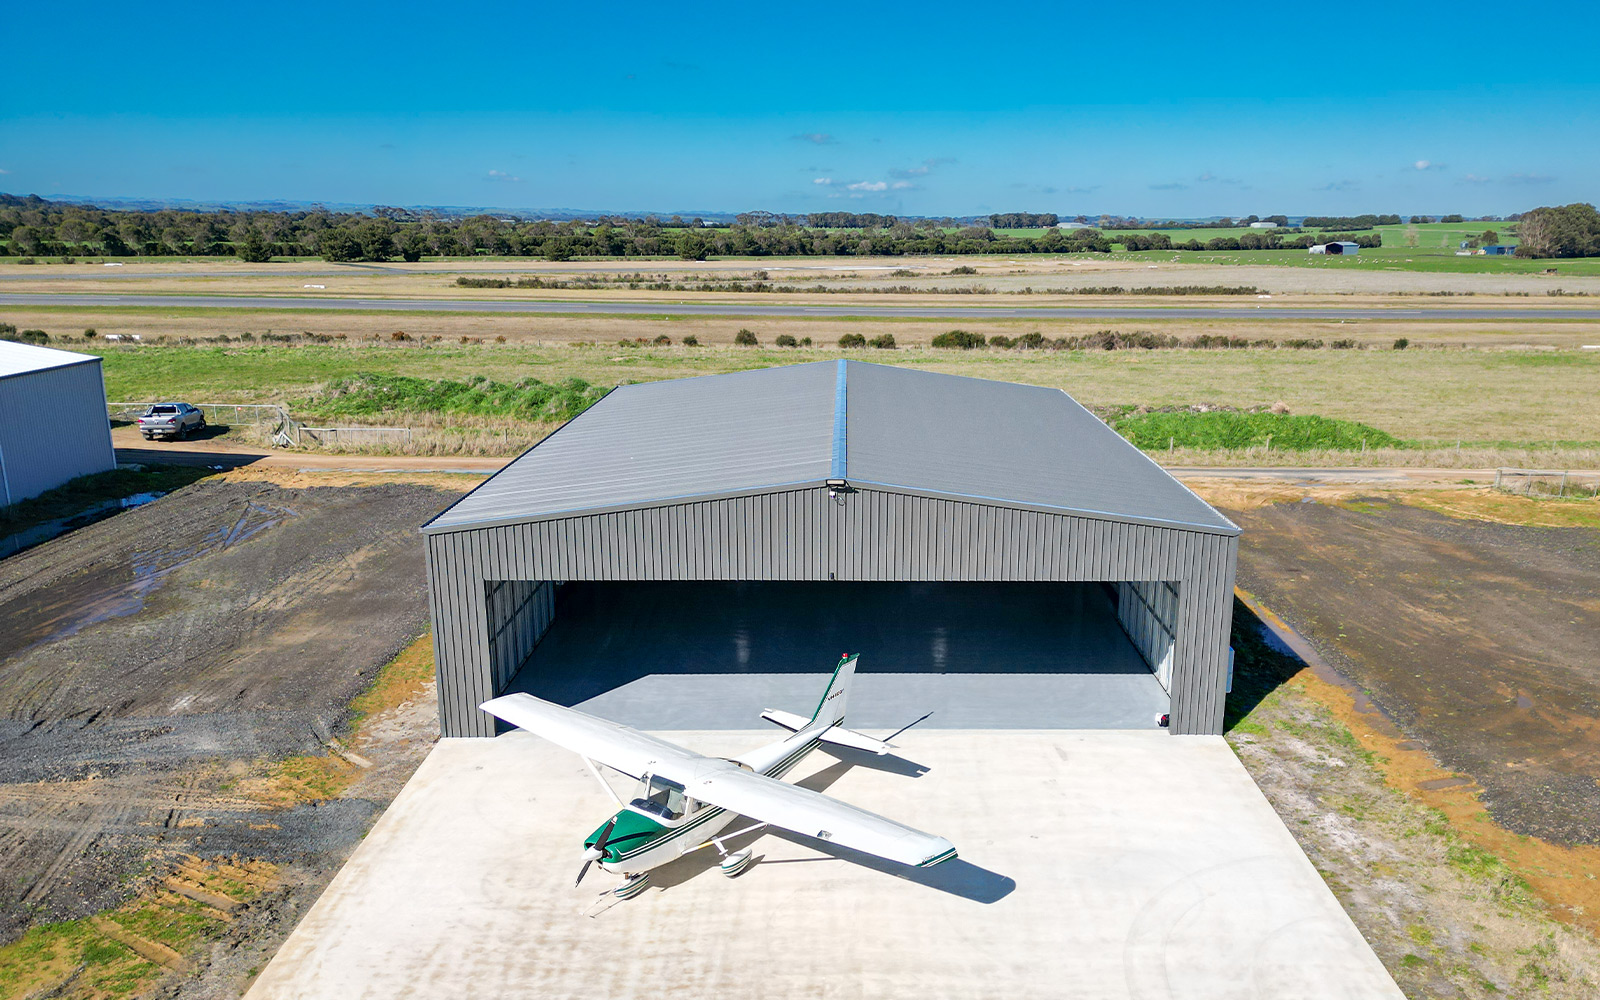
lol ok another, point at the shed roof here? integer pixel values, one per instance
(874, 425)
(20, 359)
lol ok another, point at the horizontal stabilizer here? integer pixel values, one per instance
(788, 720)
(840, 736)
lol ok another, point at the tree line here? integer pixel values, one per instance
(32, 226)
(1565, 231)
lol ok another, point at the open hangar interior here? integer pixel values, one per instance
(688, 552)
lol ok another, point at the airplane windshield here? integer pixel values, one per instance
(661, 798)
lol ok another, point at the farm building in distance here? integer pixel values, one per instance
(1339, 248)
(1499, 250)
(692, 543)
(53, 424)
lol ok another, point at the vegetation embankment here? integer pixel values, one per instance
(1233, 430)
(1445, 914)
(1457, 408)
(758, 283)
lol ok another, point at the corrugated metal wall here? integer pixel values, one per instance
(521, 612)
(53, 428)
(1148, 611)
(806, 535)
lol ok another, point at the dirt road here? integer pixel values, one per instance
(1478, 637)
(222, 454)
(156, 667)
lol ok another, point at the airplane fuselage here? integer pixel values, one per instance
(640, 842)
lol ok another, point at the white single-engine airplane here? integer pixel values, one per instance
(686, 800)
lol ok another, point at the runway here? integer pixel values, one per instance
(636, 308)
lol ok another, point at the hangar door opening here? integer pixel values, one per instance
(714, 654)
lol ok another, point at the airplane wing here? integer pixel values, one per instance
(616, 746)
(722, 782)
(812, 814)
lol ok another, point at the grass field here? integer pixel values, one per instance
(1435, 396)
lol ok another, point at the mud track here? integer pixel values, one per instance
(152, 662)
(1481, 639)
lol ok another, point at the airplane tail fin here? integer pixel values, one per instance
(830, 710)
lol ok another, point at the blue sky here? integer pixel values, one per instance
(1154, 108)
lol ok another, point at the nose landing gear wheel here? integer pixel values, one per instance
(736, 862)
(631, 885)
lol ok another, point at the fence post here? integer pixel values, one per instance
(1563, 483)
(1497, 479)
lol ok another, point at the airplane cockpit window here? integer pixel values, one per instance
(661, 798)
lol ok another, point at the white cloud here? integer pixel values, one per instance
(1428, 165)
(1529, 179)
(501, 175)
(3, 170)
(817, 138)
(1474, 179)
(902, 186)
(869, 186)
(822, 180)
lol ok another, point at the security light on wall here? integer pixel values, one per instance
(836, 487)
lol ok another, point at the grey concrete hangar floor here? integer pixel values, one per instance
(1100, 864)
(707, 655)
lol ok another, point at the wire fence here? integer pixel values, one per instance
(283, 430)
(1547, 483)
(225, 414)
(353, 437)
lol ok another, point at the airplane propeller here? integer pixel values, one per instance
(596, 852)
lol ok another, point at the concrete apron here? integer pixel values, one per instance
(1093, 864)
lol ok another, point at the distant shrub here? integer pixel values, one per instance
(1208, 341)
(746, 338)
(27, 260)
(90, 334)
(805, 341)
(1302, 345)
(1002, 341)
(399, 335)
(500, 339)
(1345, 345)
(963, 269)
(784, 340)
(852, 340)
(883, 343)
(662, 341)
(29, 337)
(7, 330)
(960, 339)
(1401, 343)
(691, 341)
(1031, 341)
(902, 272)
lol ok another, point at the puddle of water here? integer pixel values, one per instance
(41, 533)
(121, 588)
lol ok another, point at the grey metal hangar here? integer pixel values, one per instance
(687, 552)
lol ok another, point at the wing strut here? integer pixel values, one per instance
(603, 783)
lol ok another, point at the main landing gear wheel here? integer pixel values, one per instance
(736, 862)
(631, 885)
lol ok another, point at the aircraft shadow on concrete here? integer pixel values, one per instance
(957, 877)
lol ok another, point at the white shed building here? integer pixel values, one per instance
(53, 424)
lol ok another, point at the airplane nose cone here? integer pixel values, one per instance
(593, 854)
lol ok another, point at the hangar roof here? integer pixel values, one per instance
(873, 425)
(20, 359)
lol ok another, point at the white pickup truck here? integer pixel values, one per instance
(171, 420)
